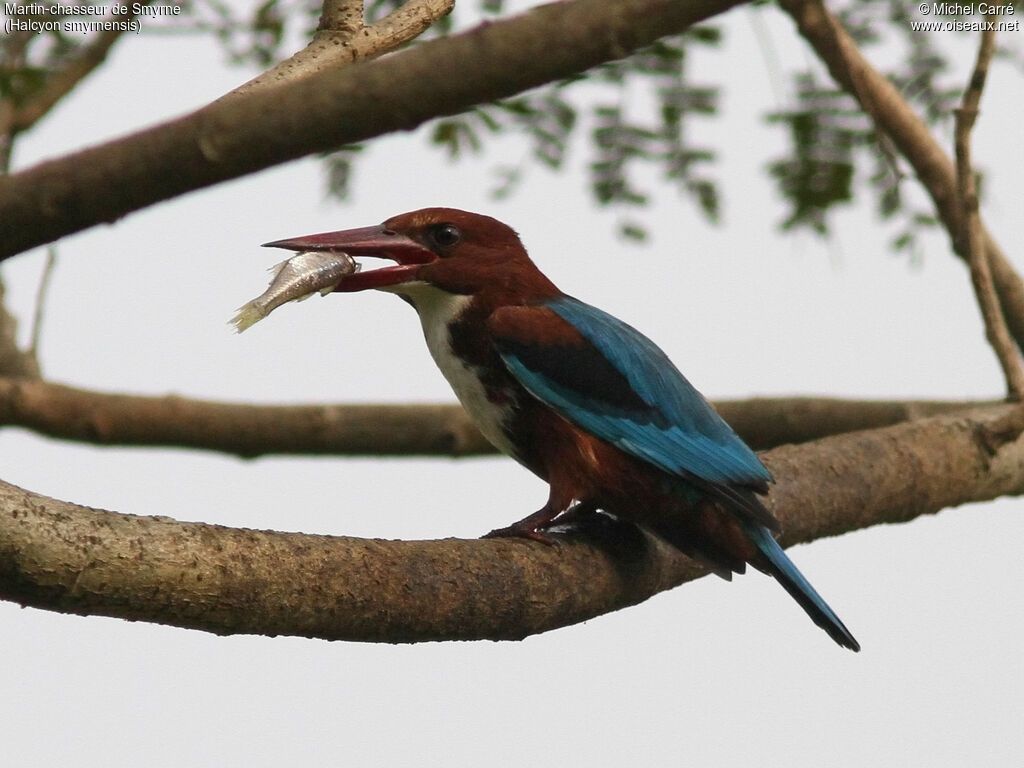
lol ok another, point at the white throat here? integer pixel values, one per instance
(437, 310)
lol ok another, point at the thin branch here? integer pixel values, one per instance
(413, 14)
(972, 237)
(234, 137)
(342, 16)
(62, 81)
(40, 308)
(249, 430)
(73, 559)
(12, 58)
(342, 39)
(891, 113)
(14, 362)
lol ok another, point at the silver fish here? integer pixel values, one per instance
(294, 280)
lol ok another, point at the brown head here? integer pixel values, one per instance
(456, 251)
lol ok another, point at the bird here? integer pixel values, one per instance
(581, 399)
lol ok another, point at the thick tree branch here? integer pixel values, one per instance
(233, 137)
(75, 559)
(769, 422)
(972, 235)
(239, 429)
(249, 430)
(894, 117)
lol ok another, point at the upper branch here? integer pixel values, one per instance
(233, 137)
(893, 116)
(75, 559)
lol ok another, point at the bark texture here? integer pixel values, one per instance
(248, 430)
(75, 559)
(265, 127)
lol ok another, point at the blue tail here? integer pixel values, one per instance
(778, 564)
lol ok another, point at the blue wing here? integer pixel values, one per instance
(614, 382)
(611, 380)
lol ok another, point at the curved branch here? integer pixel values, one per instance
(74, 559)
(249, 430)
(893, 116)
(234, 137)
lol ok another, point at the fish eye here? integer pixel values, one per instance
(445, 235)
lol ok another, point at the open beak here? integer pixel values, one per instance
(378, 242)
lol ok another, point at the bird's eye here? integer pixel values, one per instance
(445, 235)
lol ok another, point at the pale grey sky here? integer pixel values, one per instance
(712, 673)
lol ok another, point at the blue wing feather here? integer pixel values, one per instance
(670, 425)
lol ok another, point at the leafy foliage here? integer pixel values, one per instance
(631, 121)
(253, 35)
(825, 128)
(338, 168)
(830, 137)
(637, 119)
(28, 59)
(256, 37)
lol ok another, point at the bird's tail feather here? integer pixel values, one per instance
(777, 564)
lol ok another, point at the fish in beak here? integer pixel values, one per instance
(373, 242)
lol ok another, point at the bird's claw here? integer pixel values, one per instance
(532, 526)
(521, 532)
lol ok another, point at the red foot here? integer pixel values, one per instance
(527, 528)
(513, 531)
(530, 527)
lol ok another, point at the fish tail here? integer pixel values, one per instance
(249, 314)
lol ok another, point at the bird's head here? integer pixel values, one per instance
(456, 251)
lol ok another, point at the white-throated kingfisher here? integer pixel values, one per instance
(575, 395)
